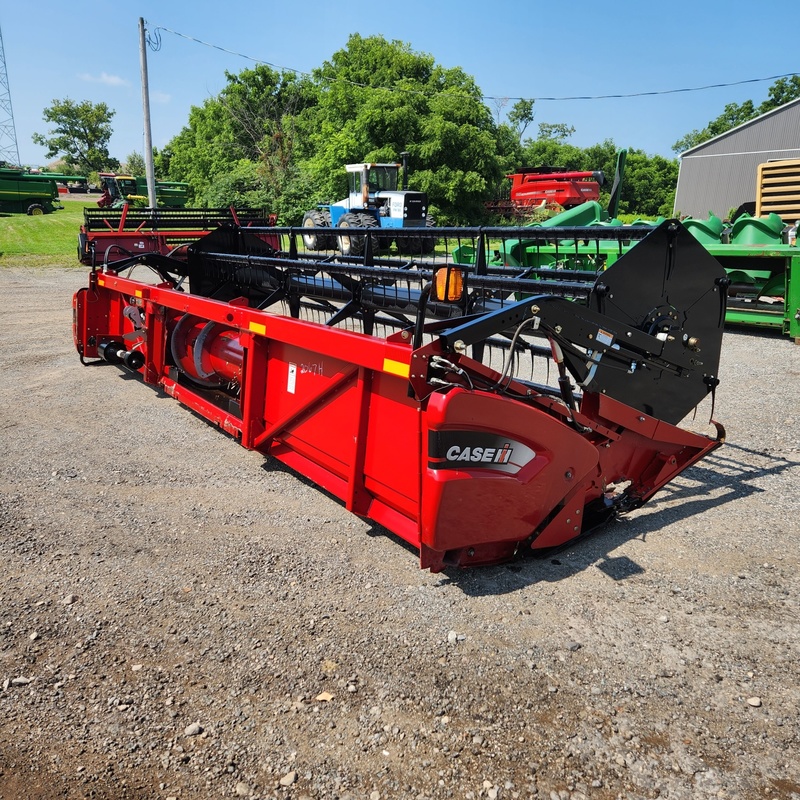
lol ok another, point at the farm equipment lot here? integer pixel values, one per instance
(159, 577)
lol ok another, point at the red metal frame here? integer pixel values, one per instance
(115, 242)
(468, 477)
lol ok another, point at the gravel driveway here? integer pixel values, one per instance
(182, 618)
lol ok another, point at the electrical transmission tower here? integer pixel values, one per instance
(9, 150)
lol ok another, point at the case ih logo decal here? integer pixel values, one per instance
(474, 450)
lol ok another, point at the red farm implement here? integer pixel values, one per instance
(536, 185)
(110, 235)
(411, 389)
(550, 188)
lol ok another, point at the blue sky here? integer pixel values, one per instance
(88, 50)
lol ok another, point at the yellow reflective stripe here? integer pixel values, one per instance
(258, 327)
(395, 367)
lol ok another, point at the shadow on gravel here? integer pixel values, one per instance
(728, 474)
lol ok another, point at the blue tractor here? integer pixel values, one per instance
(374, 201)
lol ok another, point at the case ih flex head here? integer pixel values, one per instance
(407, 389)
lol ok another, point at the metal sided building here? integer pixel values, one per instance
(721, 174)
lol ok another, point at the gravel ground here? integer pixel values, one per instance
(181, 618)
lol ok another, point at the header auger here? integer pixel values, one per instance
(420, 392)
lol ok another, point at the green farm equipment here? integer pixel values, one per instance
(121, 189)
(24, 193)
(763, 265)
(759, 253)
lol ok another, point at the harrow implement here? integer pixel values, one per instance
(419, 392)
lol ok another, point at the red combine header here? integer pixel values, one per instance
(552, 188)
(532, 186)
(419, 393)
(115, 234)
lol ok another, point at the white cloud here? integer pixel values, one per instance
(105, 78)
(162, 98)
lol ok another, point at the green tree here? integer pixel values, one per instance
(601, 156)
(783, 91)
(202, 150)
(134, 164)
(648, 187)
(263, 106)
(520, 117)
(280, 142)
(557, 131)
(243, 142)
(508, 140)
(161, 160)
(379, 98)
(240, 186)
(80, 135)
(552, 153)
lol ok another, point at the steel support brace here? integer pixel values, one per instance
(358, 498)
(254, 387)
(312, 404)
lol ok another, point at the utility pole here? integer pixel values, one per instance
(9, 149)
(148, 136)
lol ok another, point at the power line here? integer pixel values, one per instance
(155, 44)
(661, 91)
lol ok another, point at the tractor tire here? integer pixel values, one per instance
(36, 210)
(381, 242)
(316, 218)
(418, 245)
(428, 242)
(408, 245)
(368, 221)
(331, 242)
(351, 245)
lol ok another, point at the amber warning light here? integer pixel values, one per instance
(448, 284)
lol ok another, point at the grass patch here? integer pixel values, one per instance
(48, 240)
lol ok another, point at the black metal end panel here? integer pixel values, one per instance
(669, 287)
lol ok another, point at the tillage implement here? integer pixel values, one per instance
(474, 412)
